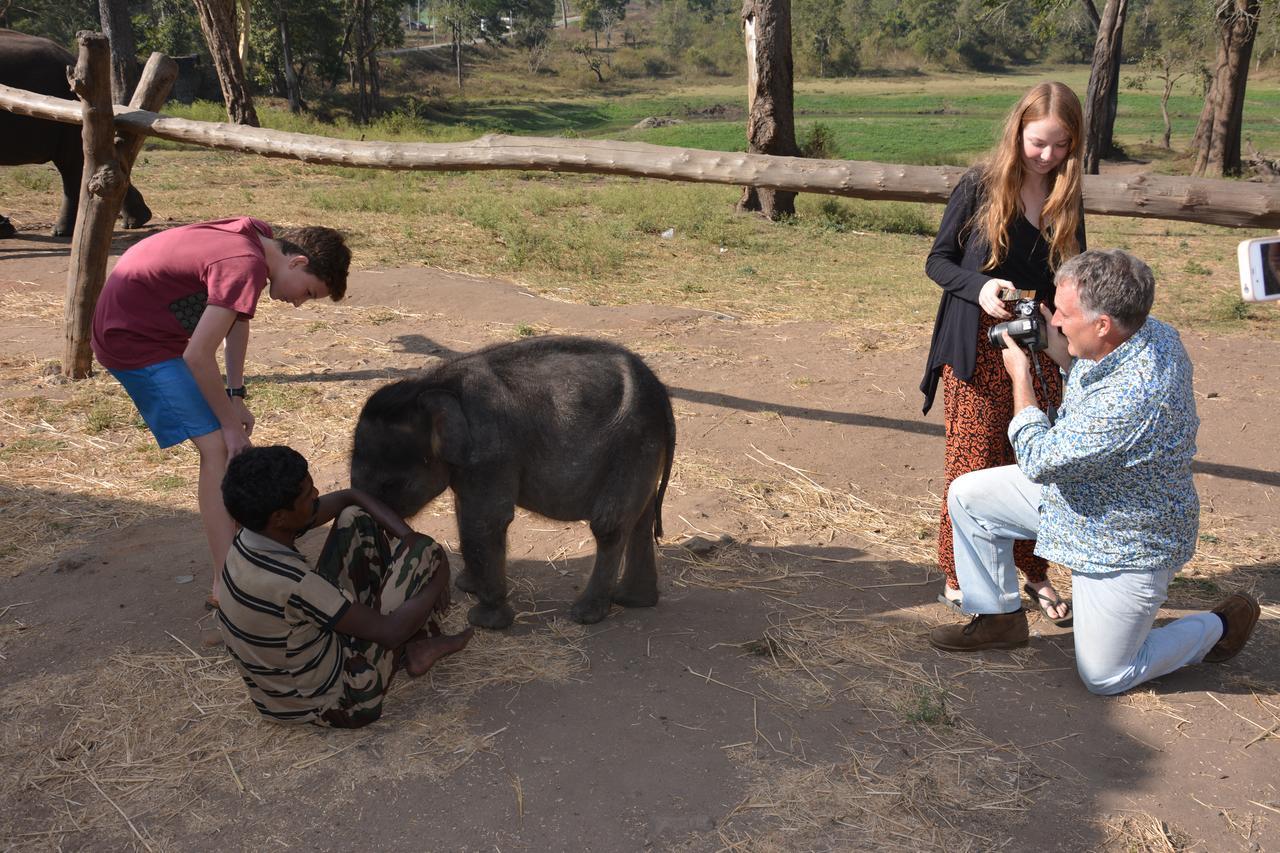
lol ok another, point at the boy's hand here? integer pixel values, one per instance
(246, 417)
(237, 440)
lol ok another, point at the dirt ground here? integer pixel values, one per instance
(779, 697)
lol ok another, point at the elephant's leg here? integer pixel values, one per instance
(593, 605)
(135, 210)
(6, 228)
(483, 535)
(70, 166)
(639, 584)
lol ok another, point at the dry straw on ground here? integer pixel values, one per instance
(145, 747)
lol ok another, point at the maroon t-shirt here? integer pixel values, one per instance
(154, 297)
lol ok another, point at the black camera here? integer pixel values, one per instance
(1026, 328)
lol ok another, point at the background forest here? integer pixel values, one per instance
(335, 52)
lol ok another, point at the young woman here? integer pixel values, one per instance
(1010, 223)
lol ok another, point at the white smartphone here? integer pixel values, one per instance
(1260, 269)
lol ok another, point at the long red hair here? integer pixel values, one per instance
(1004, 173)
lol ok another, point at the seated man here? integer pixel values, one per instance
(1105, 491)
(321, 646)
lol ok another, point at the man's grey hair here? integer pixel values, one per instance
(1111, 282)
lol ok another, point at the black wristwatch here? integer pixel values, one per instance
(237, 392)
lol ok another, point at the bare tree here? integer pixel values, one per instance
(1100, 100)
(770, 116)
(218, 23)
(118, 29)
(1217, 139)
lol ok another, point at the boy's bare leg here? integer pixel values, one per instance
(219, 529)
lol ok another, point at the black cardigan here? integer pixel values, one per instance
(955, 264)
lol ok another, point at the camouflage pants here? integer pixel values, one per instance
(357, 557)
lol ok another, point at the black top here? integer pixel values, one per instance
(955, 264)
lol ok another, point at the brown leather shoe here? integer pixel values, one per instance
(984, 631)
(1242, 613)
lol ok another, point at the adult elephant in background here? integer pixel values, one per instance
(570, 428)
(38, 65)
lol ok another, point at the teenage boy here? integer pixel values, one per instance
(172, 300)
(321, 645)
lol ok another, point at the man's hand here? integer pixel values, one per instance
(990, 298)
(1057, 342)
(246, 416)
(1016, 362)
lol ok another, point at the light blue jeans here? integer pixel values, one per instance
(1116, 648)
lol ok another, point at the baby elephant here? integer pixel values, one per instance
(571, 428)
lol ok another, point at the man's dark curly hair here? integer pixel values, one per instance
(260, 481)
(326, 252)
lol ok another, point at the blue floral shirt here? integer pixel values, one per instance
(1116, 467)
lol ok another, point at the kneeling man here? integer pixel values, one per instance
(1105, 491)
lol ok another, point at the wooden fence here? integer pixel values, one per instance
(1235, 204)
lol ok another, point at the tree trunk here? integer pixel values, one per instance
(107, 163)
(359, 47)
(1108, 141)
(218, 23)
(1217, 139)
(1099, 105)
(456, 30)
(290, 73)
(242, 45)
(1169, 80)
(564, 11)
(770, 118)
(116, 26)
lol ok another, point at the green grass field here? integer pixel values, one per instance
(597, 239)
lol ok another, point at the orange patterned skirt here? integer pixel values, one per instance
(977, 415)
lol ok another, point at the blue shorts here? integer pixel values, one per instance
(169, 401)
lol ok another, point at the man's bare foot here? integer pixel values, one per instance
(422, 654)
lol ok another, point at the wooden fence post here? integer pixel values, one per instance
(102, 189)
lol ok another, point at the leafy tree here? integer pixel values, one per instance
(601, 16)
(531, 25)
(57, 20)
(1173, 36)
(594, 59)
(821, 42)
(467, 20)
(294, 42)
(169, 26)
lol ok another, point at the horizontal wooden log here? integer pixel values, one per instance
(1235, 204)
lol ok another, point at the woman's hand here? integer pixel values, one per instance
(991, 301)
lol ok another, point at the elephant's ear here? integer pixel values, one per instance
(450, 434)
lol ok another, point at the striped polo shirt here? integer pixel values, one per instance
(277, 616)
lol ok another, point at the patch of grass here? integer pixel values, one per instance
(167, 482)
(1194, 267)
(1200, 586)
(27, 446)
(887, 217)
(927, 705)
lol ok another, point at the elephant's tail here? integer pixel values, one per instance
(666, 472)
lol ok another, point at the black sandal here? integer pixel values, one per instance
(1044, 602)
